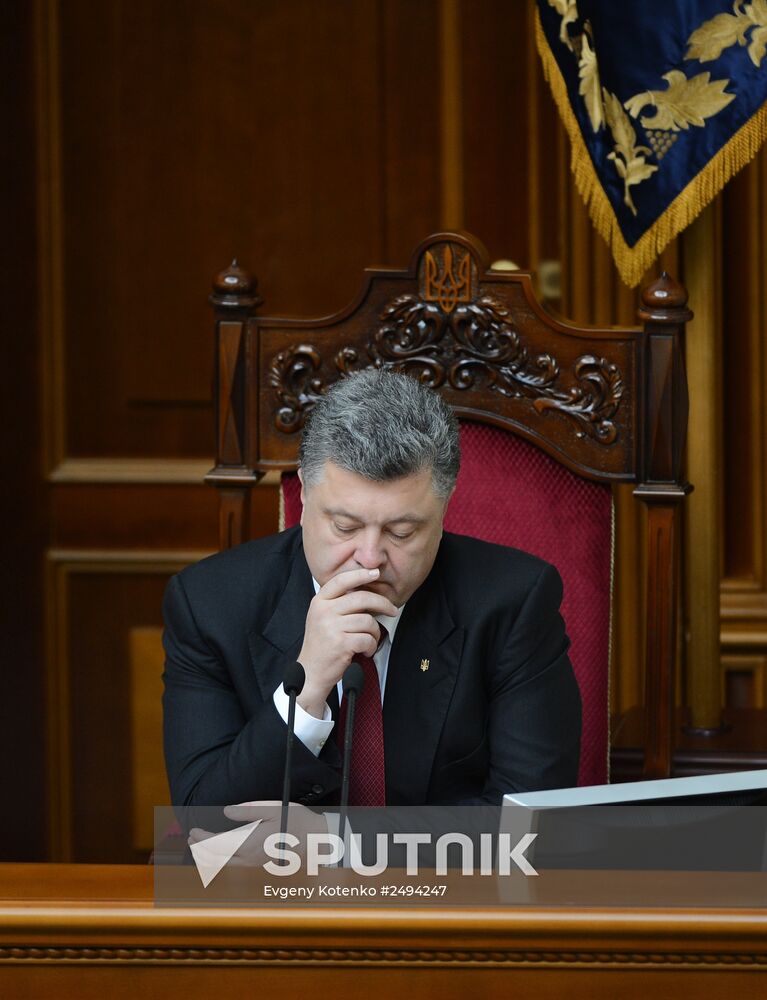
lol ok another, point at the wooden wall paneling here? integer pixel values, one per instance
(495, 125)
(57, 713)
(577, 237)
(543, 178)
(744, 587)
(97, 600)
(703, 275)
(451, 105)
(49, 229)
(117, 592)
(314, 184)
(130, 516)
(149, 783)
(743, 367)
(537, 158)
(130, 513)
(273, 149)
(22, 742)
(744, 680)
(410, 128)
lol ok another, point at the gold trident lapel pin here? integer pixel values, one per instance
(424, 665)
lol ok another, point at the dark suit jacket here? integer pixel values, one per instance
(498, 709)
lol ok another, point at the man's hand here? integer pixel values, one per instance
(340, 624)
(301, 821)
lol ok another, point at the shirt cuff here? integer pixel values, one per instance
(312, 732)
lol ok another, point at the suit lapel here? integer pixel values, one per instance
(416, 700)
(283, 635)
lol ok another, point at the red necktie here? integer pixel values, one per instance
(367, 774)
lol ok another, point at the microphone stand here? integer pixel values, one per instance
(353, 681)
(292, 683)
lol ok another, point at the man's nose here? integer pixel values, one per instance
(370, 553)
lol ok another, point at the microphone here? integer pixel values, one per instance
(292, 682)
(353, 681)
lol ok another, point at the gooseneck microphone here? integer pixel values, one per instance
(292, 682)
(353, 681)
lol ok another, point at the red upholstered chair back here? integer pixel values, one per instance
(552, 415)
(512, 493)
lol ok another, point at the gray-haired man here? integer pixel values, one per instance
(478, 694)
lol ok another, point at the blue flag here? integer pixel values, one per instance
(663, 102)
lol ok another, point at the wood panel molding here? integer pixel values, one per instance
(93, 929)
(61, 566)
(743, 586)
(124, 560)
(743, 609)
(130, 470)
(386, 957)
(149, 783)
(738, 667)
(703, 273)
(744, 374)
(105, 913)
(746, 639)
(151, 471)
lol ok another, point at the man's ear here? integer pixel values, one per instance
(301, 480)
(444, 511)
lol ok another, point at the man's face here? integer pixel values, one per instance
(350, 522)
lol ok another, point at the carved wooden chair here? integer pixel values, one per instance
(552, 416)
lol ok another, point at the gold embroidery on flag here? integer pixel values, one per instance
(721, 32)
(628, 157)
(684, 102)
(590, 88)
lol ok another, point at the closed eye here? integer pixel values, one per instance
(344, 529)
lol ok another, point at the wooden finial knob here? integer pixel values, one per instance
(234, 280)
(665, 301)
(664, 293)
(235, 287)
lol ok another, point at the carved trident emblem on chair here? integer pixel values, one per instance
(449, 285)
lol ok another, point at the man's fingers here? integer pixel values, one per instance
(361, 642)
(339, 585)
(250, 811)
(361, 623)
(365, 601)
(196, 835)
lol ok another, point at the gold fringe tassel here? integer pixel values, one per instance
(632, 262)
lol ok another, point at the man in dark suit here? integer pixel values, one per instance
(470, 651)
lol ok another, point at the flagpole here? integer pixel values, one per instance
(702, 272)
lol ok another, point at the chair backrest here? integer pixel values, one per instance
(586, 408)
